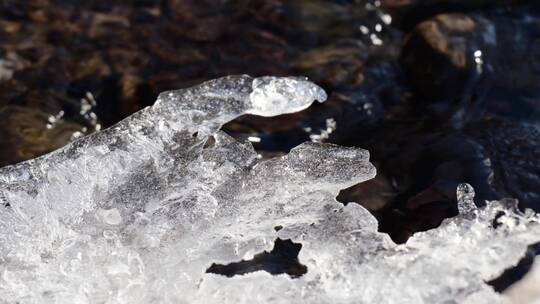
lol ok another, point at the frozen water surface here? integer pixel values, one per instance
(137, 213)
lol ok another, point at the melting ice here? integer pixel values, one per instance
(137, 213)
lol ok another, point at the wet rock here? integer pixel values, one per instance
(372, 195)
(514, 154)
(479, 60)
(439, 54)
(420, 163)
(124, 54)
(441, 3)
(27, 133)
(282, 259)
(334, 65)
(407, 13)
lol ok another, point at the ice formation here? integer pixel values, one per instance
(138, 212)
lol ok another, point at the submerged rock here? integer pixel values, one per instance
(127, 52)
(146, 210)
(407, 13)
(439, 54)
(487, 61)
(25, 133)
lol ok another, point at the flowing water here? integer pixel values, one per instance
(440, 92)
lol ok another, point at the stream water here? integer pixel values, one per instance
(440, 92)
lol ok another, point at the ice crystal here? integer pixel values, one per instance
(138, 212)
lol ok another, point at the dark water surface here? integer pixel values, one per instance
(440, 92)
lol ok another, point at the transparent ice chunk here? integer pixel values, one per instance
(138, 212)
(465, 198)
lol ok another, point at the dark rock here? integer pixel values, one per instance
(24, 134)
(407, 13)
(487, 63)
(125, 53)
(282, 259)
(513, 150)
(439, 54)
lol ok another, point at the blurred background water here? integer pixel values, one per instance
(440, 91)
